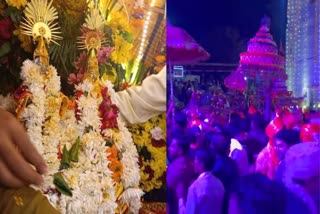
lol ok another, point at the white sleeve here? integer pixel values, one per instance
(138, 104)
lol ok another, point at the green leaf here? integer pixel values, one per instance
(74, 151)
(101, 70)
(65, 161)
(108, 143)
(128, 36)
(4, 49)
(61, 184)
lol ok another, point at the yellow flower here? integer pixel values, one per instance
(111, 75)
(118, 21)
(26, 41)
(17, 3)
(148, 126)
(151, 171)
(122, 50)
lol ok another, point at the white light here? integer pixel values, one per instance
(235, 145)
(302, 42)
(144, 36)
(145, 31)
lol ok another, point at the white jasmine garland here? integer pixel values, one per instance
(43, 112)
(90, 179)
(124, 143)
(34, 113)
(94, 174)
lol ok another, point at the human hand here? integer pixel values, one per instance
(17, 154)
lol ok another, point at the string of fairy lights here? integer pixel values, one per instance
(316, 77)
(302, 49)
(289, 49)
(143, 42)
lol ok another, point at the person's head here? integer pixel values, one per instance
(220, 143)
(177, 148)
(256, 194)
(203, 161)
(180, 120)
(283, 140)
(303, 166)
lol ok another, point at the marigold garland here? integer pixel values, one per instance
(152, 158)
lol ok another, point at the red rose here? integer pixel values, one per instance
(158, 143)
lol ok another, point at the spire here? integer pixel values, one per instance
(266, 21)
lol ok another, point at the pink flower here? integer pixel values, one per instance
(81, 62)
(75, 78)
(103, 54)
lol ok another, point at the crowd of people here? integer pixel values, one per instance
(183, 90)
(245, 165)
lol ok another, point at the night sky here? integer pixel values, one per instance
(223, 27)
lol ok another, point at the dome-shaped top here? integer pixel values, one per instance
(262, 57)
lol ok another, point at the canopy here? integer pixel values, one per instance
(182, 48)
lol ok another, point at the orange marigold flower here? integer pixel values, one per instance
(113, 153)
(71, 104)
(160, 58)
(117, 168)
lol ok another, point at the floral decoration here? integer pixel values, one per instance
(150, 138)
(106, 174)
(114, 58)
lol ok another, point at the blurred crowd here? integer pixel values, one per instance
(245, 165)
(183, 90)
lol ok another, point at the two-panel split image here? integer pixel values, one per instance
(155, 106)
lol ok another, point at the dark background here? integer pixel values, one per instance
(223, 27)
